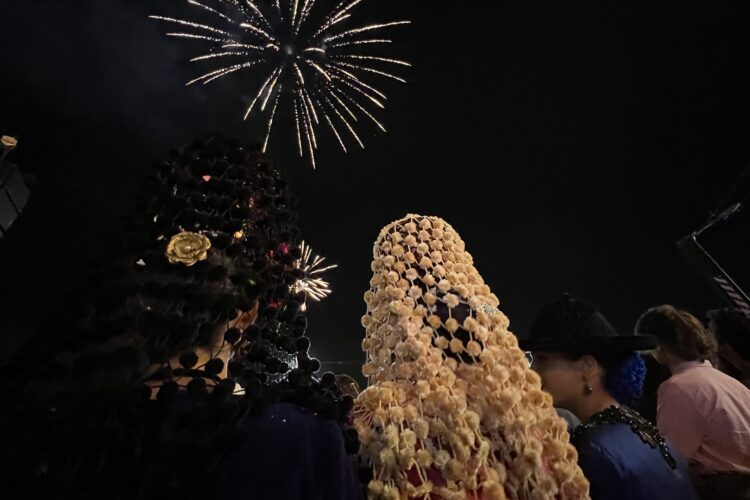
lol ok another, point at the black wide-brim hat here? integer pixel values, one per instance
(575, 326)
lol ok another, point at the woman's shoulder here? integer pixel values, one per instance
(623, 436)
(621, 452)
(610, 441)
(295, 422)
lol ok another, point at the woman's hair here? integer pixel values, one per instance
(679, 332)
(732, 327)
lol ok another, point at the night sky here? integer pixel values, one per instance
(570, 147)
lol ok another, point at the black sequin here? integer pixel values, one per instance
(648, 433)
(77, 419)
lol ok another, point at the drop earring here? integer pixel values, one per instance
(587, 389)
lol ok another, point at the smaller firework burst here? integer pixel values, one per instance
(312, 284)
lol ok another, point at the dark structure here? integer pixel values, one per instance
(14, 194)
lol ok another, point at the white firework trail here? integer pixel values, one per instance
(270, 121)
(318, 66)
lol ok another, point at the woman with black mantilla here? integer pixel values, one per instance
(190, 376)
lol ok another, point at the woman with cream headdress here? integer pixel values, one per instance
(453, 410)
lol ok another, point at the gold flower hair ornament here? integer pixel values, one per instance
(452, 410)
(187, 248)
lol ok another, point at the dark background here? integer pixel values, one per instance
(570, 146)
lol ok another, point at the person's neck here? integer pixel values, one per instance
(675, 363)
(590, 405)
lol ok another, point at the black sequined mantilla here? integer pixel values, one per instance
(79, 418)
(648, 433)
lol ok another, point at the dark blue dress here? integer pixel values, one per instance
(624, 457)
(294, 454)
(290, 454)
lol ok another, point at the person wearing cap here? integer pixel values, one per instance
(704, 412)
(593, 371)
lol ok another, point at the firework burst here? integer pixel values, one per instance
(312, 284)
(318, 68)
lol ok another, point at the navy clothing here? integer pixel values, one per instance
(289, 454)
(621, 466)
(293, 455)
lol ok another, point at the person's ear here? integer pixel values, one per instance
(589, 373)
(588, 365)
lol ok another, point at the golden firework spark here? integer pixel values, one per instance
(312, 284)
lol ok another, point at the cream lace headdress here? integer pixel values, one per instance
(452, 410)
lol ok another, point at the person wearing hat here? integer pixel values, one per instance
(593, 371)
